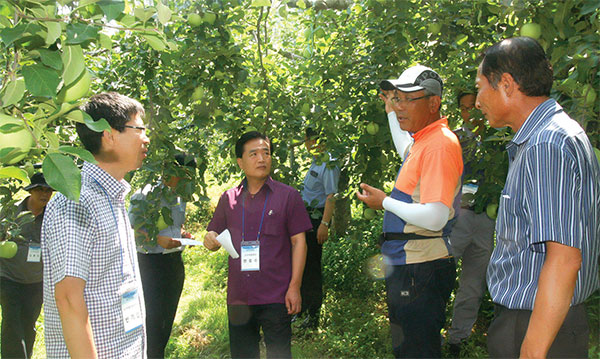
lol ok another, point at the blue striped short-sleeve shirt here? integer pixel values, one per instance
(552, 193)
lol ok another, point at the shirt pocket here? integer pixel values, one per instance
(312, 180)
(274, 223)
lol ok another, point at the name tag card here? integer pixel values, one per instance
(34, 254)
(250, 256)
(132, 315)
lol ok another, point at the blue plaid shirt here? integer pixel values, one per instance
(82, 240)
(552, 193)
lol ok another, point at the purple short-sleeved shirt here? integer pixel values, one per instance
(285, 216)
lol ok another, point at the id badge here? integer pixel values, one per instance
(130, 306)
(34, 254)
(250, 256)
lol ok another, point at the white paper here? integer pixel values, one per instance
(225, 239)
(188, 241)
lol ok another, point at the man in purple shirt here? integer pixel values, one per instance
(267, 221)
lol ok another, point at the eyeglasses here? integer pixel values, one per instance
(398, 100)
(136, 127)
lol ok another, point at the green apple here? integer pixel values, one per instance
(259, 111)
(22, 140)
(194, 19)
(319, 33)
(492, 210)
(161, 224)
(198, 93)
(209, 18)
(372, 128)
(434, 28)
(597, 152)
(8, 249)
(590, 95)
(28, 167)
(305, 108)
(77, 90)
(532, 30)
(369, 213)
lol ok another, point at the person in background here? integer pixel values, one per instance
(161, 265)
(472, 238)
(93, 297)
(545, 264)
(21, 276)
(267, 221)
(320, 185)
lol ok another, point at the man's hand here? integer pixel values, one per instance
(322, 233)
(371, 196)
(293, 300)
(210, 241)
(185, 234)
(74, 317)
(556, 285)
(386, 97)
(167, 242)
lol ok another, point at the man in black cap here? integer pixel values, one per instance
(21, 276)
(420, 271)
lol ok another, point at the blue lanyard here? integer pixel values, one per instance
(261, 218)
(118, 233)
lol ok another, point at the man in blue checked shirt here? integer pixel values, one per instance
(93, 298)
(545, 263)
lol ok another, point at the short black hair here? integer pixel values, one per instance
(249, 136)
(463, 94)
(115, 108)
(184, 159)
(311, 134)
(524, 59)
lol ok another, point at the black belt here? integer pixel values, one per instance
(404, 236)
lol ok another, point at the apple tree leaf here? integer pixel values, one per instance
(54, 31)
(73, 63)
(79, 152)
(51, 59)
(111, 8)
(62, 174)
(41, 80)
(78, 33)
(14, 172)
(13, 93)
(164, 13)
(97, 126)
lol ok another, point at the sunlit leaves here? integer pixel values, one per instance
(13, 93)
(62, 174)
(41, 80)
(14, 172)
(73, 63)
(78, 33)
(111, 8)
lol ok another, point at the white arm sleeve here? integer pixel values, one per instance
(402, 139)
(431, 216)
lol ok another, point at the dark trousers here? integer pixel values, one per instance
(245, 322)
(417, 295)
(21, 305)
(312, 279)
(507, 331)
(162, 280)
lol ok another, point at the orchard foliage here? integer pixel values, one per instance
(208, 70)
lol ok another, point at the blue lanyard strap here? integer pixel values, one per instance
(118, 232)
(261, 218)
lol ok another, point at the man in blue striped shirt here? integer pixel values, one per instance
(548, 229)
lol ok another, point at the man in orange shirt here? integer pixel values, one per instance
(420, 271)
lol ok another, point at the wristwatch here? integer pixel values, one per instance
(325, 223)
